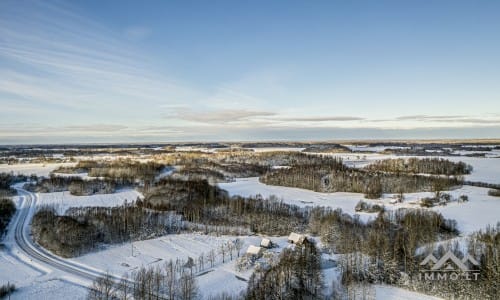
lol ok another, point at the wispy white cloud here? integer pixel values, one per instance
(53, 56)
(225, 116)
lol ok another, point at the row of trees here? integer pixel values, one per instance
(436, 166)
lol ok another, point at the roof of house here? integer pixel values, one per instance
(265, 242)
(255, 250)
(296, 238)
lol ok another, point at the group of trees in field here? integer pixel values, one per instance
(75, 185)
(6, 290)
(242, 161)
(296, 275)
(86, 228)
(7, 210)
(371, 183)
(327, 148)
(435, 166)
(494, 192)
(387, 244)
(221, 171)
(202, 203)
(6, 181)
(172, 281)
(122, 171)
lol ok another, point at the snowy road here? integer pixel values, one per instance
(23, 247)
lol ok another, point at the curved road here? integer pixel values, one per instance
(23, 240)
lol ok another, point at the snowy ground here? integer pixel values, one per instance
(300, 197)
(28, 169)
(128, 257)
(385, 292)
(480, 211)
(50, 289)
(64, 200)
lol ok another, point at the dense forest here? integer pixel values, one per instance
(435, 166)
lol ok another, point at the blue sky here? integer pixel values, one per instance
(118, 71)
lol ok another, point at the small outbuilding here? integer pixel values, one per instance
(254, 251)
(297, 239)
(266, 243)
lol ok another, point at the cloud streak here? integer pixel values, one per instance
(52, 56)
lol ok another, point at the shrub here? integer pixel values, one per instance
(427, 202)
(494, 192)
(367, 207)
(7, 289)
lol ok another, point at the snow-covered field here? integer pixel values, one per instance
(28, 169)
(64, 200)
(484, 169)
(50, 289)
(223, 277)
(300, 197)
(385, 292)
